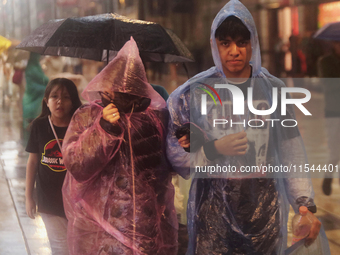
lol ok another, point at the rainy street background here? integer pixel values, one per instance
(285, 30)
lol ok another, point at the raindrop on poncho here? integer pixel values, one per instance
(118, 194)
(239, 213)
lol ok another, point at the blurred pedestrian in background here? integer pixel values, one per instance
(279, 49)
(36, 82)
(312, 49)
(329, 67)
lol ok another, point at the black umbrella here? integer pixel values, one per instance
(96, 37)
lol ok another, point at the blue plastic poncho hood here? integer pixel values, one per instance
(235, 8)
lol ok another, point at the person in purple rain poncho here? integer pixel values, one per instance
(236, 211)
(118, 194)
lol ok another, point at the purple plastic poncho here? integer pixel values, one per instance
(118, 194)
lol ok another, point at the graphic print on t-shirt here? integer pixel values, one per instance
(257, 129)
(52, 156)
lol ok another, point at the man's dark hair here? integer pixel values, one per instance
(233, 27)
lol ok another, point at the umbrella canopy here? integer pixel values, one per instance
(329, 31)
(96, 37)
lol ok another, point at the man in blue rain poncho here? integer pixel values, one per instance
(237, 212)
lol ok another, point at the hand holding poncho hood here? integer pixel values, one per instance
(118, 195)
(239, 213)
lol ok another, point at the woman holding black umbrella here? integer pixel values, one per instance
(118, 194)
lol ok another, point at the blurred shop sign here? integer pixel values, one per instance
(328, 13)
(66, 2)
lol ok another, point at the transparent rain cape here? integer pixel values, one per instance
(239, 213)
(118, 195)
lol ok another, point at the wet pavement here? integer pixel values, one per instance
(20, 235)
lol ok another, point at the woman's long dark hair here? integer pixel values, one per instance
(71, 89)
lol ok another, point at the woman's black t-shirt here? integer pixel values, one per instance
(51, 170)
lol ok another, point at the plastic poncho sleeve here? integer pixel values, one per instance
(181, 160)
(87, 148)
(296, 188)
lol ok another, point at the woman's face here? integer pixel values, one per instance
(59, 102)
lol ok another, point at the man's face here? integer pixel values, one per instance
(235, 56)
